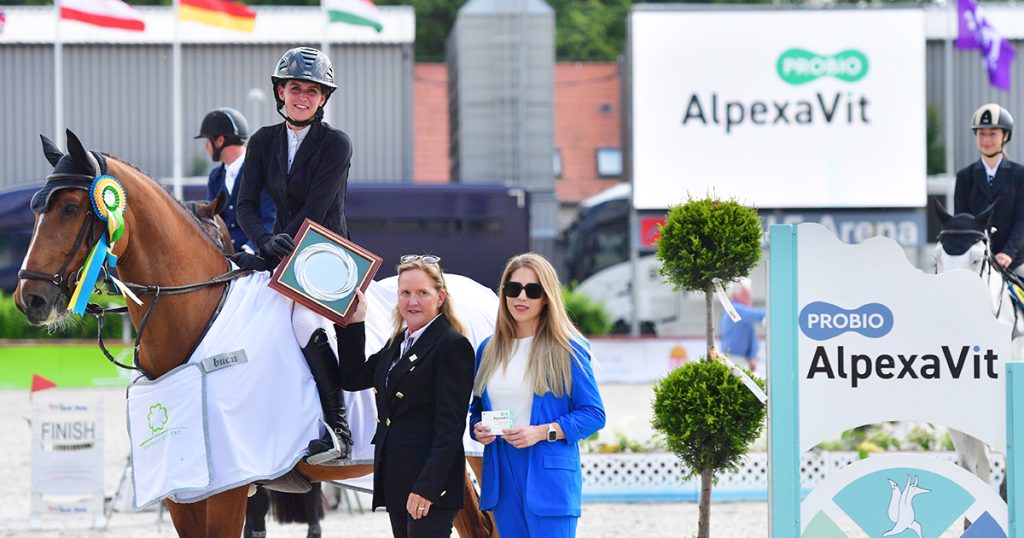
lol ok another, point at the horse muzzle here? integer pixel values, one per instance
(41, 302)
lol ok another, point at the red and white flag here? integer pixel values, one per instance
(105, 13)
(3, 20)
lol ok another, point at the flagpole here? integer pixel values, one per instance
(58, 81)
(177, 151)
(325, 44)
(952, 17)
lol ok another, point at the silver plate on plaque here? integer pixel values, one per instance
(326, 272)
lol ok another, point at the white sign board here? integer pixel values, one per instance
(893, 343)
(67, 458)
(783, 108)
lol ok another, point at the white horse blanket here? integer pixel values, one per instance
(245, 406)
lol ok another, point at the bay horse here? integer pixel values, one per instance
(162, 248)
(963, 243)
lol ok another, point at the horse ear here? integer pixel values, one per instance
(940, 210)
(81, 156)
(52, 152)
(983, 218)
(218, 203)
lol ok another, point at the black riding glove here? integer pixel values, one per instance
(244, 260)
(278, 246)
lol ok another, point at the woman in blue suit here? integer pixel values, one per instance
(537, 366)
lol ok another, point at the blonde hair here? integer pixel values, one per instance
(433, 271)
(548, 367)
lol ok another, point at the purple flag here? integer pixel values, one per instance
(976, 32)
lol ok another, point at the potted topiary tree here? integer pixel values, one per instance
(708, 416)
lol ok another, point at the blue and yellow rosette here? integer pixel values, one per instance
(108, 202)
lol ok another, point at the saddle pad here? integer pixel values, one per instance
(167, 430)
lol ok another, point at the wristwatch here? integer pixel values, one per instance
(552, 433)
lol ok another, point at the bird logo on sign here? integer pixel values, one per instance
(901, 507)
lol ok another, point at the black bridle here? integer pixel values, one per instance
(60, 279)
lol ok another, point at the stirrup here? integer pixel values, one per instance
(332, 457)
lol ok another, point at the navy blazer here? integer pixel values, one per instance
(973, 194)
(421, 412)
(554, 483)
(215, 185)
(315, 188)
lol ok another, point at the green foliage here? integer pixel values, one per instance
(589, 317)
(936, 148)
(709, 418)
(589, 30)
(13, 324)
(706, 239)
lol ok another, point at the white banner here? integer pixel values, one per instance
(67, 457)
(782, 108)
(645, 360)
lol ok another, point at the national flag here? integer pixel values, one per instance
(41, 383)
(976, 32)
(358, 12)
(223, 13)
(105, 13)
(3, 20)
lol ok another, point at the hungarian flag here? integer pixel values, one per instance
(358, 12)
(223, 13)
(105, 13)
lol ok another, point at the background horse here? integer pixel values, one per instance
(964, 244)
(162, 248)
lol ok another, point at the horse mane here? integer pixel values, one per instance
(194, 219)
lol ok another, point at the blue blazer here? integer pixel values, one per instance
(555, 481)
(215, 184)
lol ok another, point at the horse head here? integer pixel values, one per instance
(64, 231)
(207, 213)
(963, 241)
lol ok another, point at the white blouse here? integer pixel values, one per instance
(509, 389)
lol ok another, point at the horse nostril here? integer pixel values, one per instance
(36, 302)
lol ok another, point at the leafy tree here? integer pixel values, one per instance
(708, 416)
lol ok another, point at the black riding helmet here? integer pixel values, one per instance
(308, 64)
(226, 122)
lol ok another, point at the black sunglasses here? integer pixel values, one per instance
(427, 259)
(533, 290)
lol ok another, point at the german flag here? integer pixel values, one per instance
(223, 13)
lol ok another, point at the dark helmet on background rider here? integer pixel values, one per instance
(226, 122)
(993, 115)
(306, 64)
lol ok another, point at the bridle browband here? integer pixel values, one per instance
(59, 279)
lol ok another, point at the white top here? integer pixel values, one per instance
(509, 389)
(992, 171)
(295, 139)
(231, 172)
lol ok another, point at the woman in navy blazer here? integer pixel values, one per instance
(537, 367)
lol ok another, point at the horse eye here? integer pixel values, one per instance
(70, 210)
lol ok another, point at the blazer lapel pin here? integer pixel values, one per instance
(412, 358)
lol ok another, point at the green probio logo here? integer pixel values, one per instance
(800, 66)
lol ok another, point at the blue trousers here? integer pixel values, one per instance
(513, 518)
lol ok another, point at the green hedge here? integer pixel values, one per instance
(13, 324)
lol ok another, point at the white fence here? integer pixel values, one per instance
(658, 476)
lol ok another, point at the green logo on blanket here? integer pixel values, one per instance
(157, 417)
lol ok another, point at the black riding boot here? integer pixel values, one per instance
(337, 442)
